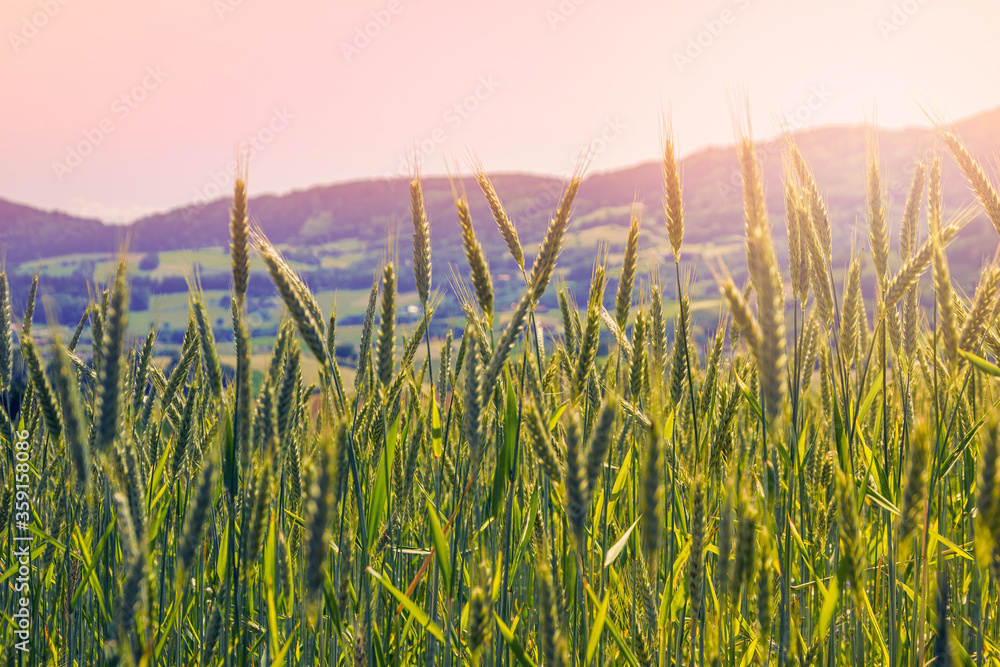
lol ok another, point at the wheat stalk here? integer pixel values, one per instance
(472, 408)
(851, 318)
(798, 258)
(945, 300)
(71, 409)
(319, 507)
(915, 491)
(506, 341)
(696, 553)
(575, 482)
(652, 488)
(197, 517)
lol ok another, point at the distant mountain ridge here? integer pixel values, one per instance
(364, 210)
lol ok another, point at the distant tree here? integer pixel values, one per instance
(346, 353)
(139, 299)
(149, 261)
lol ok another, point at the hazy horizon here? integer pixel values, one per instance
(123, 109)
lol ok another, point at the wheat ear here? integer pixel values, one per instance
(548, 250)
(506, 226)
(623, 299)
(673, 204)
(980, 182)
(421, 240)
(766, 277)
(239, 230)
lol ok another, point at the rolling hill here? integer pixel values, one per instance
(337, 233)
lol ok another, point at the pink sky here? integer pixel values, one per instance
(535, 83)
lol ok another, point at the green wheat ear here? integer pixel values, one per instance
(765, 276)
(297, 299)
(652, 489)
(386, 344)
(623, 300)
(479, 269)
(421, 240)
(6, 339)
(548, 251)
(239, 227)
(197, 517)
(506, 226)
(210, 356)
(109, 378)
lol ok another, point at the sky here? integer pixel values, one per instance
(119, 108)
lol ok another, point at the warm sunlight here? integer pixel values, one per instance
(558, 334)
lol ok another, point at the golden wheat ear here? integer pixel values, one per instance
(981, 184)
(878, 234)
(983, 309)
(673, 200)
(765, 275)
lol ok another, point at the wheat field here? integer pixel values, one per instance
(816, 485)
